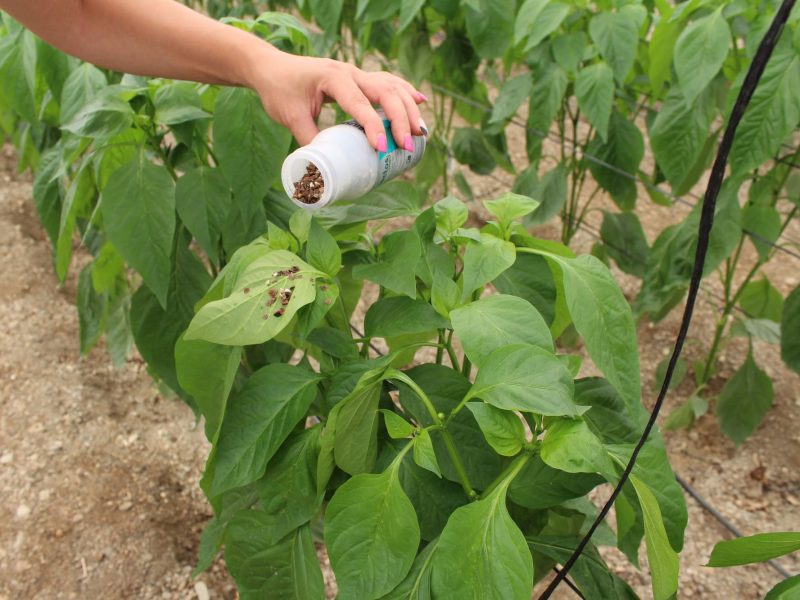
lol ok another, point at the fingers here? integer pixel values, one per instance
(354, 102)
(303, 128)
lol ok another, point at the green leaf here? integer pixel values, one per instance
(678, 375)
(569, 50)
(397, 427)
(526, 18)
(761, 329)
(202, 199)
(541, 486)
(451, 213)
(257, 421)
(356, 445)
(660, 49)
(530, 278)
(250, 312)
(400, 315)
(48, 191)
(615, 161)
(327, 13)
(79, 199)
(18, 73)
(103, 117)
(754, 549)
(761, 300)
(594, 88)
(409, 9)
(686, 414)
(482, 554)
(288, 490)
(662, 559)
(616, 35)
(322, 251)
(485, 261)
(372, 535)
(138, 206)
(503, 429)
(526, 378)
(92, 311)
(679, 133)
(207, 371)
(424, 454)
(82, 85)
(178, 102)
(699, 53)
(773, 111)
(513, 93)
(417, 584)
(788, 589)
(471, 148)
(549, 20)
(553, 191)
(510, 207)
(495, 321)
(548, 92)
(569, 445)
(284, 569)
(395, 270)
(744, 400)
(790, 331)
(763, 226)
(602, 316)
(490, 26)
(625, 241)
(393, 199)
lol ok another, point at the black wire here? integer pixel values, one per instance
(571, 585)
(754, 73)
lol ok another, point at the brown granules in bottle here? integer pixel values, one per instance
(311, 186)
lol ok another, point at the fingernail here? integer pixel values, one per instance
(423, 127)
(382, 147)
(408, 143)
(422, 97)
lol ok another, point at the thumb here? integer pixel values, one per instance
(303, 128)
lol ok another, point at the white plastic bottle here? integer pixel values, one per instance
(349, 165)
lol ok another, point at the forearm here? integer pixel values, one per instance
(158, 38)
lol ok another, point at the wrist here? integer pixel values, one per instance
(257, 58)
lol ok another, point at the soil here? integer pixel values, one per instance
(99, 469)
(310, 188)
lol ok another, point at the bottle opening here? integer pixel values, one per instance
(309, 188)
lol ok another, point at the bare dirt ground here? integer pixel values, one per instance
(99, 471)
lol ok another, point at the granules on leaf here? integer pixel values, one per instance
(311, 186)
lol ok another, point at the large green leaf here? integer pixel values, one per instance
(206, 371)
(552, 190)
(393, 199)
(530, 278)
(178, 102)
(92, 311)
(103, 117)
(617, 35)
(471, 148)
(594, 88)
(322, 251)
(699, 53)
(202, 199)
(548, 92)
(83, 84)
(540, 486)
(662, 559)
(485, 261)
(745, 399)
(761, 300)
(569, 445)
(417, 584)
(266, 566)
(482, 554)
(790, 331)
(400, 315)
(434, 498)
(257, 421)
(18, 73)
(490, 26)
(253, 310)
(48, 191)
(772, 113)
(502, 429)
(788, 589)
(396, 268)
(661, 46)
(615, 161)
(625, 242)
(78, 200)
(763, 226)
(527, 378)
(547, 21)
(356, 445)
(372, 535)
(754, 549)
(603, 317)
(495, 321)
(513, 93)
(138, 206)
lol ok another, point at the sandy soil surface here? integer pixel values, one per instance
(99, 471)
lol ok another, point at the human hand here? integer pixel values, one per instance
(294, 88)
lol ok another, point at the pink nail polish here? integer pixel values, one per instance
(422, 97)
(382, 147)
(408, 143)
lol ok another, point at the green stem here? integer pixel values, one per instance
(438, 422)
(509, 473)
(440, 349)
(450, 352)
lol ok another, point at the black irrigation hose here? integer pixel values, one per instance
(754, 73)
(706, 505)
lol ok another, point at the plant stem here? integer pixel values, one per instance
(438, 422)
(509, 473)
(440, 349)
(450, 352)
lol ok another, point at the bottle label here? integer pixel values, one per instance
(395, 160)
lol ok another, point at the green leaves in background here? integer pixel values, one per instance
(744, 400)
(616, 160)
(400, 315)
(490, 25)
(356, 444)
(790, 331)
(513, 93)
(203, 199)
(594, 88)
(138, 205)
(753, 549)
(372, 535)
(396, 269)
(616, 35)
(625, 242)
